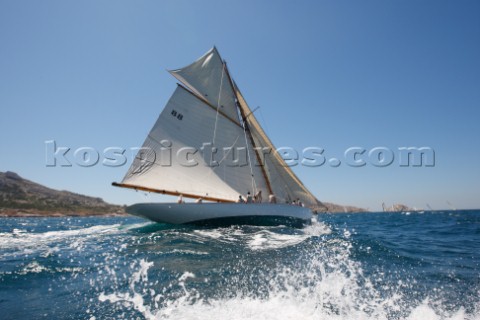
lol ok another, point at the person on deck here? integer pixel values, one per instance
(199, 200)
(272, 198)
(240, 199)
(299, 203)
(258, 197)
(249, 197)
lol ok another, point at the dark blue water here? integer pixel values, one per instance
(345, 266)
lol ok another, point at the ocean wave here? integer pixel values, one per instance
(345, 267)
(261, 238)
(293, 294)
(323, 282)
(22, 242)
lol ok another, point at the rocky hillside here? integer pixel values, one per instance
(332, 207)
(21, 197)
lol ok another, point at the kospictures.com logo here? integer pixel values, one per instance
(168, 154)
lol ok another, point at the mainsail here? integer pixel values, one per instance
(208, 112)
(285, 184)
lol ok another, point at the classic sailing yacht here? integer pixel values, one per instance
(207, 144)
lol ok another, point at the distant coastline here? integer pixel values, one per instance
(20, 197)
(25, 213)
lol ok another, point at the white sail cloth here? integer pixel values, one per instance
(208, 79)
(172, 158)
(211, 109)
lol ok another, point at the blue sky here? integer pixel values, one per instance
(329, 74)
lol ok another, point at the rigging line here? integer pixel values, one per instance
(245, 126)
(209, 173)
(159, 143)
(152, 163)
(237, 123)
(226, 154)
(254, 186)
(229, 150)
(241, 105)
(212, 171)
(264, 122)
(251, 112)
(218, 104)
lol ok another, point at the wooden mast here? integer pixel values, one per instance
(247, 129)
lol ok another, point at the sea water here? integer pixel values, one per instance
(408, 265)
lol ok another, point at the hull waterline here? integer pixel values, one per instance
(215, 214)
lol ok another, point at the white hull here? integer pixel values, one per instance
(224, 213)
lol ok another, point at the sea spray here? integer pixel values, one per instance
(361, 266)
(132, 298)
(323, 281)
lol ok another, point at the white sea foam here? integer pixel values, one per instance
(50, 242)
(36, 267)
(220, 234)
(267, 240)
(138, 225)
(186, 251)
(336, 296)
(21, 237)
(33, 267)
(133, 298)
(326, 284)
(263, 239)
